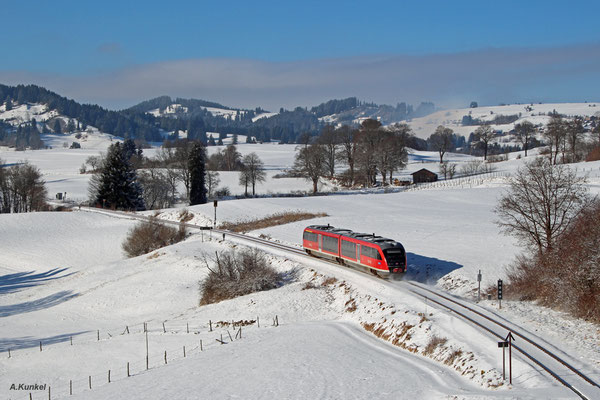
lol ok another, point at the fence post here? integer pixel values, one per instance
(165, 356)
(49, 393)
(40, 345)
(201, 345)
(8, 353)
(90, 381)
(71, 340)
(257, 321)
(230, 338)
(70, 387)
(128, 369)
(188, 327)
(183, 351)
(164, 329)
(109, 376)
(210, 325)
(98, 334)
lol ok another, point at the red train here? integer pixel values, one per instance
(380, 255)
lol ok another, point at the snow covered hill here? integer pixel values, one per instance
(538, 114)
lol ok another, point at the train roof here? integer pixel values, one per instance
(384, 243)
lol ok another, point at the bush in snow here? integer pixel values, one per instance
(237, 273)
(150, 235)
(566, 276)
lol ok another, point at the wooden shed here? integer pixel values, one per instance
(424, 175)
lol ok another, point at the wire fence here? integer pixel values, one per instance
(164, 342)
(461, 182)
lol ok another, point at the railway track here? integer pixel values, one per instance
(580, 383)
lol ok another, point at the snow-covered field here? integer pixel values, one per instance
(64, 275)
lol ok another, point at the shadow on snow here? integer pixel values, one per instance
(20, 280)
(29, 341)
(427, 269)
(35, 305)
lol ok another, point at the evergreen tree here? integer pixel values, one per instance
(56, 126)
(197, 168)
(71, 126)
(211, 141)
(118, 186)
(8, 104)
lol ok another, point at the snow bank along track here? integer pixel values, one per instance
(546, 358)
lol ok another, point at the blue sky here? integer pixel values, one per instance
(66, 44)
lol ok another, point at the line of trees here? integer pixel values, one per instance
(22, 189)
(367, 152)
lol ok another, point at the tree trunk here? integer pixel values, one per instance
(315, 183)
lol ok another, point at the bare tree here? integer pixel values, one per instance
(348, 149)
(484, 134)
(541, 203)
(448, 170)
(525, 130)
(399, 154)
(575, 131)
(441, 140)
(212, 182)
(22, 189)
(255, 169)
(368, 139)
(556, 133)
(310, 163)
(244, 179)
(232, 158)
(330, 140)
(156, 188)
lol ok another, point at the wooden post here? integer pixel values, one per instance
(222, 338)
(240, 332)
(188, 327)
(40, 345)
(90, 381)
(98, 334)
(183, 351)
(165, 356)
(8, 353)
(128, 375)
(201, 345)
(147, 350)
(49, 393)
(71, 340)
(210, 325)
(276, 320)
(164, 329)
(127, 329)
(230, 338)
(70, 387)
(109, 376)
(257, 321)
(30, 398)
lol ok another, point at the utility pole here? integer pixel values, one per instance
(479, 286)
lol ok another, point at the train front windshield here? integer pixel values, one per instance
(395, 257)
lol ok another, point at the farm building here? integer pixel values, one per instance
(424, 175)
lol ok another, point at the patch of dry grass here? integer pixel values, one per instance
(433, 344)
(271, 220)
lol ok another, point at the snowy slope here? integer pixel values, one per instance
(538, 115)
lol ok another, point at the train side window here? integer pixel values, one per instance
(310, 236)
